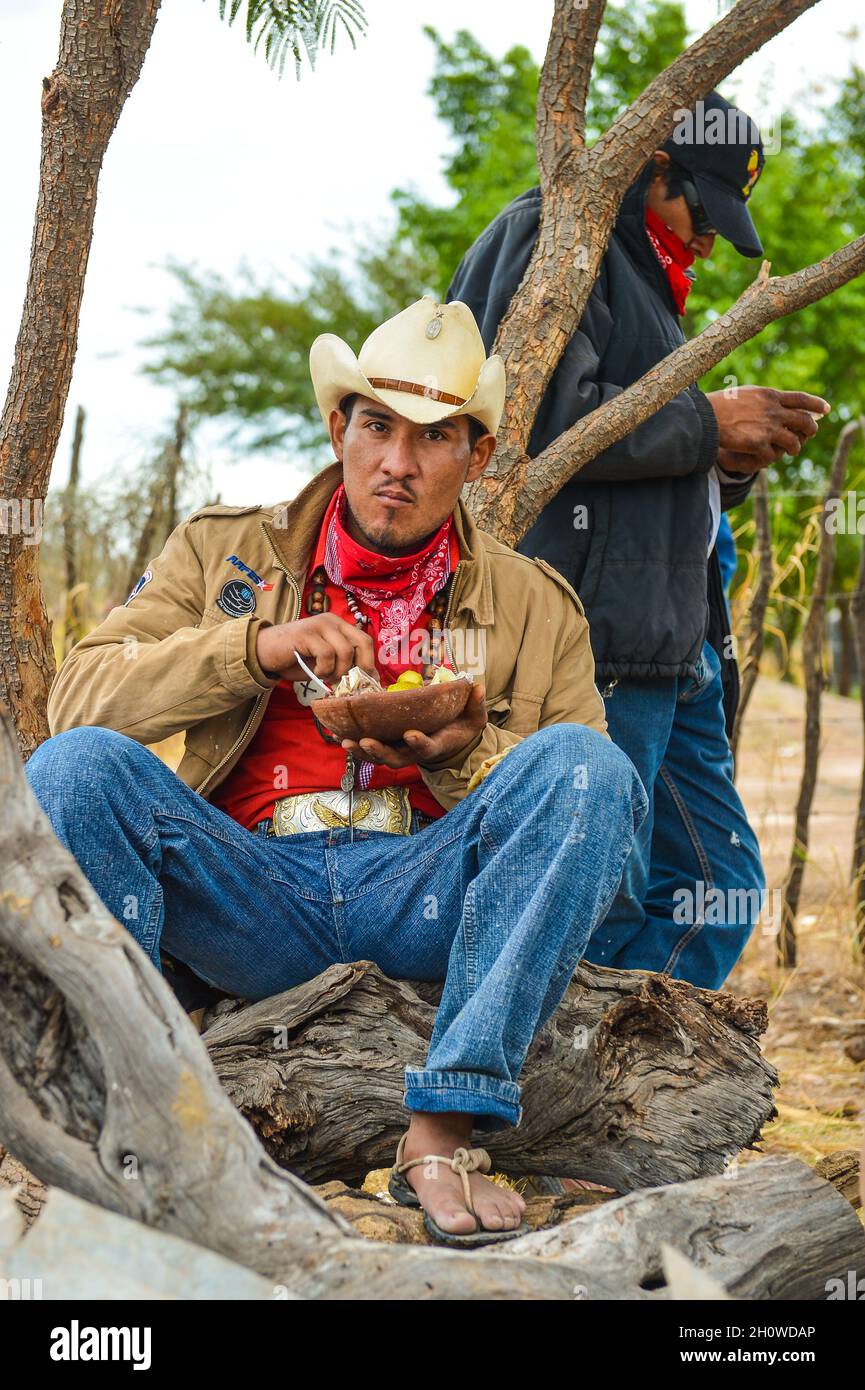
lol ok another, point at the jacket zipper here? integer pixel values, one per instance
(265, 695)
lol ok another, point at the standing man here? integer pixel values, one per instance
(634, 532)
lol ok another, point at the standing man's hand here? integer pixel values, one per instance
(759, 425)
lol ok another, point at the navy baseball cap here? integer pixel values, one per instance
(721, 149)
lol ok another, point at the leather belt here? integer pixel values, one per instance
(379, 808)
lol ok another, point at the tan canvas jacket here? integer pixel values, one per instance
(171, 659)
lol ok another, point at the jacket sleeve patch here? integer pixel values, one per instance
(139, 585)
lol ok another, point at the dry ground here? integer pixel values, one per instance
(821, 1101)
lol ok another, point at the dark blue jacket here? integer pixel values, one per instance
(630, 530)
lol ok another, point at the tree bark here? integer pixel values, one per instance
(842, 1169)
(102, 48)
(759, 604)
(72, 618)
(812, 662)
(637, 1080)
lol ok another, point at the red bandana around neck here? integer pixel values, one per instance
(674, 255)
(396, 588)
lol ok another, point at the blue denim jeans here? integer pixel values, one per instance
(498, 898)
(693, 887)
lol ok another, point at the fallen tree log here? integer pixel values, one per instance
(76, 1250)
(637, 1080)
(842, 1168)
(773, 1229)
(107, 1091)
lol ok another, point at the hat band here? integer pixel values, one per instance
(392, 383)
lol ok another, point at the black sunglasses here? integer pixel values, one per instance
(701, 223)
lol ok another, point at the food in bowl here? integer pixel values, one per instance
(361, 708)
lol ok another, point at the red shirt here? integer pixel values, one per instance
(289, 755)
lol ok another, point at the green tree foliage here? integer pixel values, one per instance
(810, 199)
(488, 107)
(283, 27)
(239, 352)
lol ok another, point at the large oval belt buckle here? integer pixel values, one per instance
(381, 808)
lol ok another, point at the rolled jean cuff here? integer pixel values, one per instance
(496, 1103)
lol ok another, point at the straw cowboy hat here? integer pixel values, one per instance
(427, 363)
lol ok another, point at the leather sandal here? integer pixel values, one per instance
(464, 1161)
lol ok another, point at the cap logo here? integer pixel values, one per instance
(753, 173)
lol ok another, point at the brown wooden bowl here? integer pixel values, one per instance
(387, 714)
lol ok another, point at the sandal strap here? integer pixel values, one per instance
(463, 1162)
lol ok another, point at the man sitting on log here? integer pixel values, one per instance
(482, 855)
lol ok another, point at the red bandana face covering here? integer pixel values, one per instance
(674, 255)
(396, 589)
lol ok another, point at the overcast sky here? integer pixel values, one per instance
(215, 160)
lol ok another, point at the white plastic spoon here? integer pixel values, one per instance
(312, 676)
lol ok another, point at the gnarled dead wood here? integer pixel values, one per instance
(772, 1229)
(638, 1079)
(842, 1169)
(107, 1091)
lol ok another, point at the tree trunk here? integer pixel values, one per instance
(857, 873)
(102, 48)
(778, 1231)
(581, 193)
(846, 662)
(174, 470)
(162, 515)
(582, 189)
(638, 1079)
(72, 619)
(759, 604)
(812, 662)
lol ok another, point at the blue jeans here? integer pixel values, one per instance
(693, 888)
(497, 898)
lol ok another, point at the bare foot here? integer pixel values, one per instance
(440, 1189)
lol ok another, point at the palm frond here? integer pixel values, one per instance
(283, 27)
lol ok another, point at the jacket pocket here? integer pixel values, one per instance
(211, 616)
(521, 713)
(498, 709)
